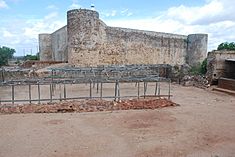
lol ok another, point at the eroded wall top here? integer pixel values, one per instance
(88, 41)
(92, 43)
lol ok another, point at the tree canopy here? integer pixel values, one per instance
(32, 57)
(5, 54)
(226, 46)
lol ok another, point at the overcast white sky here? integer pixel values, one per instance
(22, 20)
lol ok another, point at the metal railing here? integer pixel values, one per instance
(93, 76)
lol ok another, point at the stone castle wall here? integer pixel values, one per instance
(90, 42)
(54, 47)
(216, 65)
(128, 46)
(45, 47)
(59, 45)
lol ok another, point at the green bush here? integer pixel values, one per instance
(195, 70)
(199, 69)
(203, 68)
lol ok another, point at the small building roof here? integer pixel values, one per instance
(230, 60)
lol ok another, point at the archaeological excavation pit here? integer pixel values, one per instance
(106, 84)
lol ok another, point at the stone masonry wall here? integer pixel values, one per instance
(45, 47)
(88, 41)
(216, 66)
(86, 37)
(59, 45)
(128, 46)
(92, 43)
(196, 49)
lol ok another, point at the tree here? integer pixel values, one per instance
(226, 46)
(5, 54)
(32, 57)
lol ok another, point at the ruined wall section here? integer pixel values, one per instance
(197, 48)
(216, 66)
(129, 46)
(87, 41)
(92, 43)
(59, 45)
(45, 47)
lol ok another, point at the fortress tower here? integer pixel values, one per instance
(196, 48)
(84, 36)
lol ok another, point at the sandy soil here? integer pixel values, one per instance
(203, 126)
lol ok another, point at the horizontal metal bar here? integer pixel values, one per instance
(157, 96)
(74, 81)
(96, 97)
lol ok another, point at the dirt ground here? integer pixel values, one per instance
(202, 126)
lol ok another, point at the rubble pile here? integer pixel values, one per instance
(87, 106)
(196, 80)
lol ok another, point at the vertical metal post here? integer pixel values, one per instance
(118, 91)
(65, 91)
(97, 87)
(52, 75)
(145, 89)
(30, 96)
(52, 80)
(53, 87)
(101, 90)
(115, 91)
(90, 89)
(169, 91)
(60, 92)
(39, 95)
(13, 93)
(138, 90)
(155, 93)
(159, 88)
(51, 92)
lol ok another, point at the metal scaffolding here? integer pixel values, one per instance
(98, 76)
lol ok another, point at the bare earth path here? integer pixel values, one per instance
(203, 126)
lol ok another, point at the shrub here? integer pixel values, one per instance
(199, 69)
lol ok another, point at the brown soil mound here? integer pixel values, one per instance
(87, 106)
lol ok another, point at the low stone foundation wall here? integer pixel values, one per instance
(39, 64)
(226, 83)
